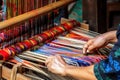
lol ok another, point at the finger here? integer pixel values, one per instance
(49, 66)
(91, 48)
(60, 59)
(49, 59)
(86, 46)
(52, 65)
(50, 62)
(90, 41)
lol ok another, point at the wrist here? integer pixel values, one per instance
(109, 36)
(68, 70)
(105, 38)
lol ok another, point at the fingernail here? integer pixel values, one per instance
(88, 51)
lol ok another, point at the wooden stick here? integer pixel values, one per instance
(43, 59)
(31, 58)
(71, 40)
(78, 33)
(35, 68)
(42, 55)
(34, 56)
(26, 16)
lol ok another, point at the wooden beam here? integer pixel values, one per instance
(26, 16)
(83, 25)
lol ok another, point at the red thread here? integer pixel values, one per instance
(4, 54)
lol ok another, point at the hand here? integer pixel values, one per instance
(100, 41)
(56, 64)
(94, 44)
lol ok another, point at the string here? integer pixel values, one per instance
(30, 28)
(53, 48)
(26, 44)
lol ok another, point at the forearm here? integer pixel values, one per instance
(81, 73)
(110, 36)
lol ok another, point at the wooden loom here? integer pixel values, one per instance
(5, 71)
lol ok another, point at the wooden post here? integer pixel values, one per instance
(94, 12)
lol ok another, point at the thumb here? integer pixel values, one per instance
(60, 59)
(91, 48)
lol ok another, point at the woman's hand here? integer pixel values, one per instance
(100, 41)
(94, 44)
(56, 64)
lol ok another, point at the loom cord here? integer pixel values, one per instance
(11, 51)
